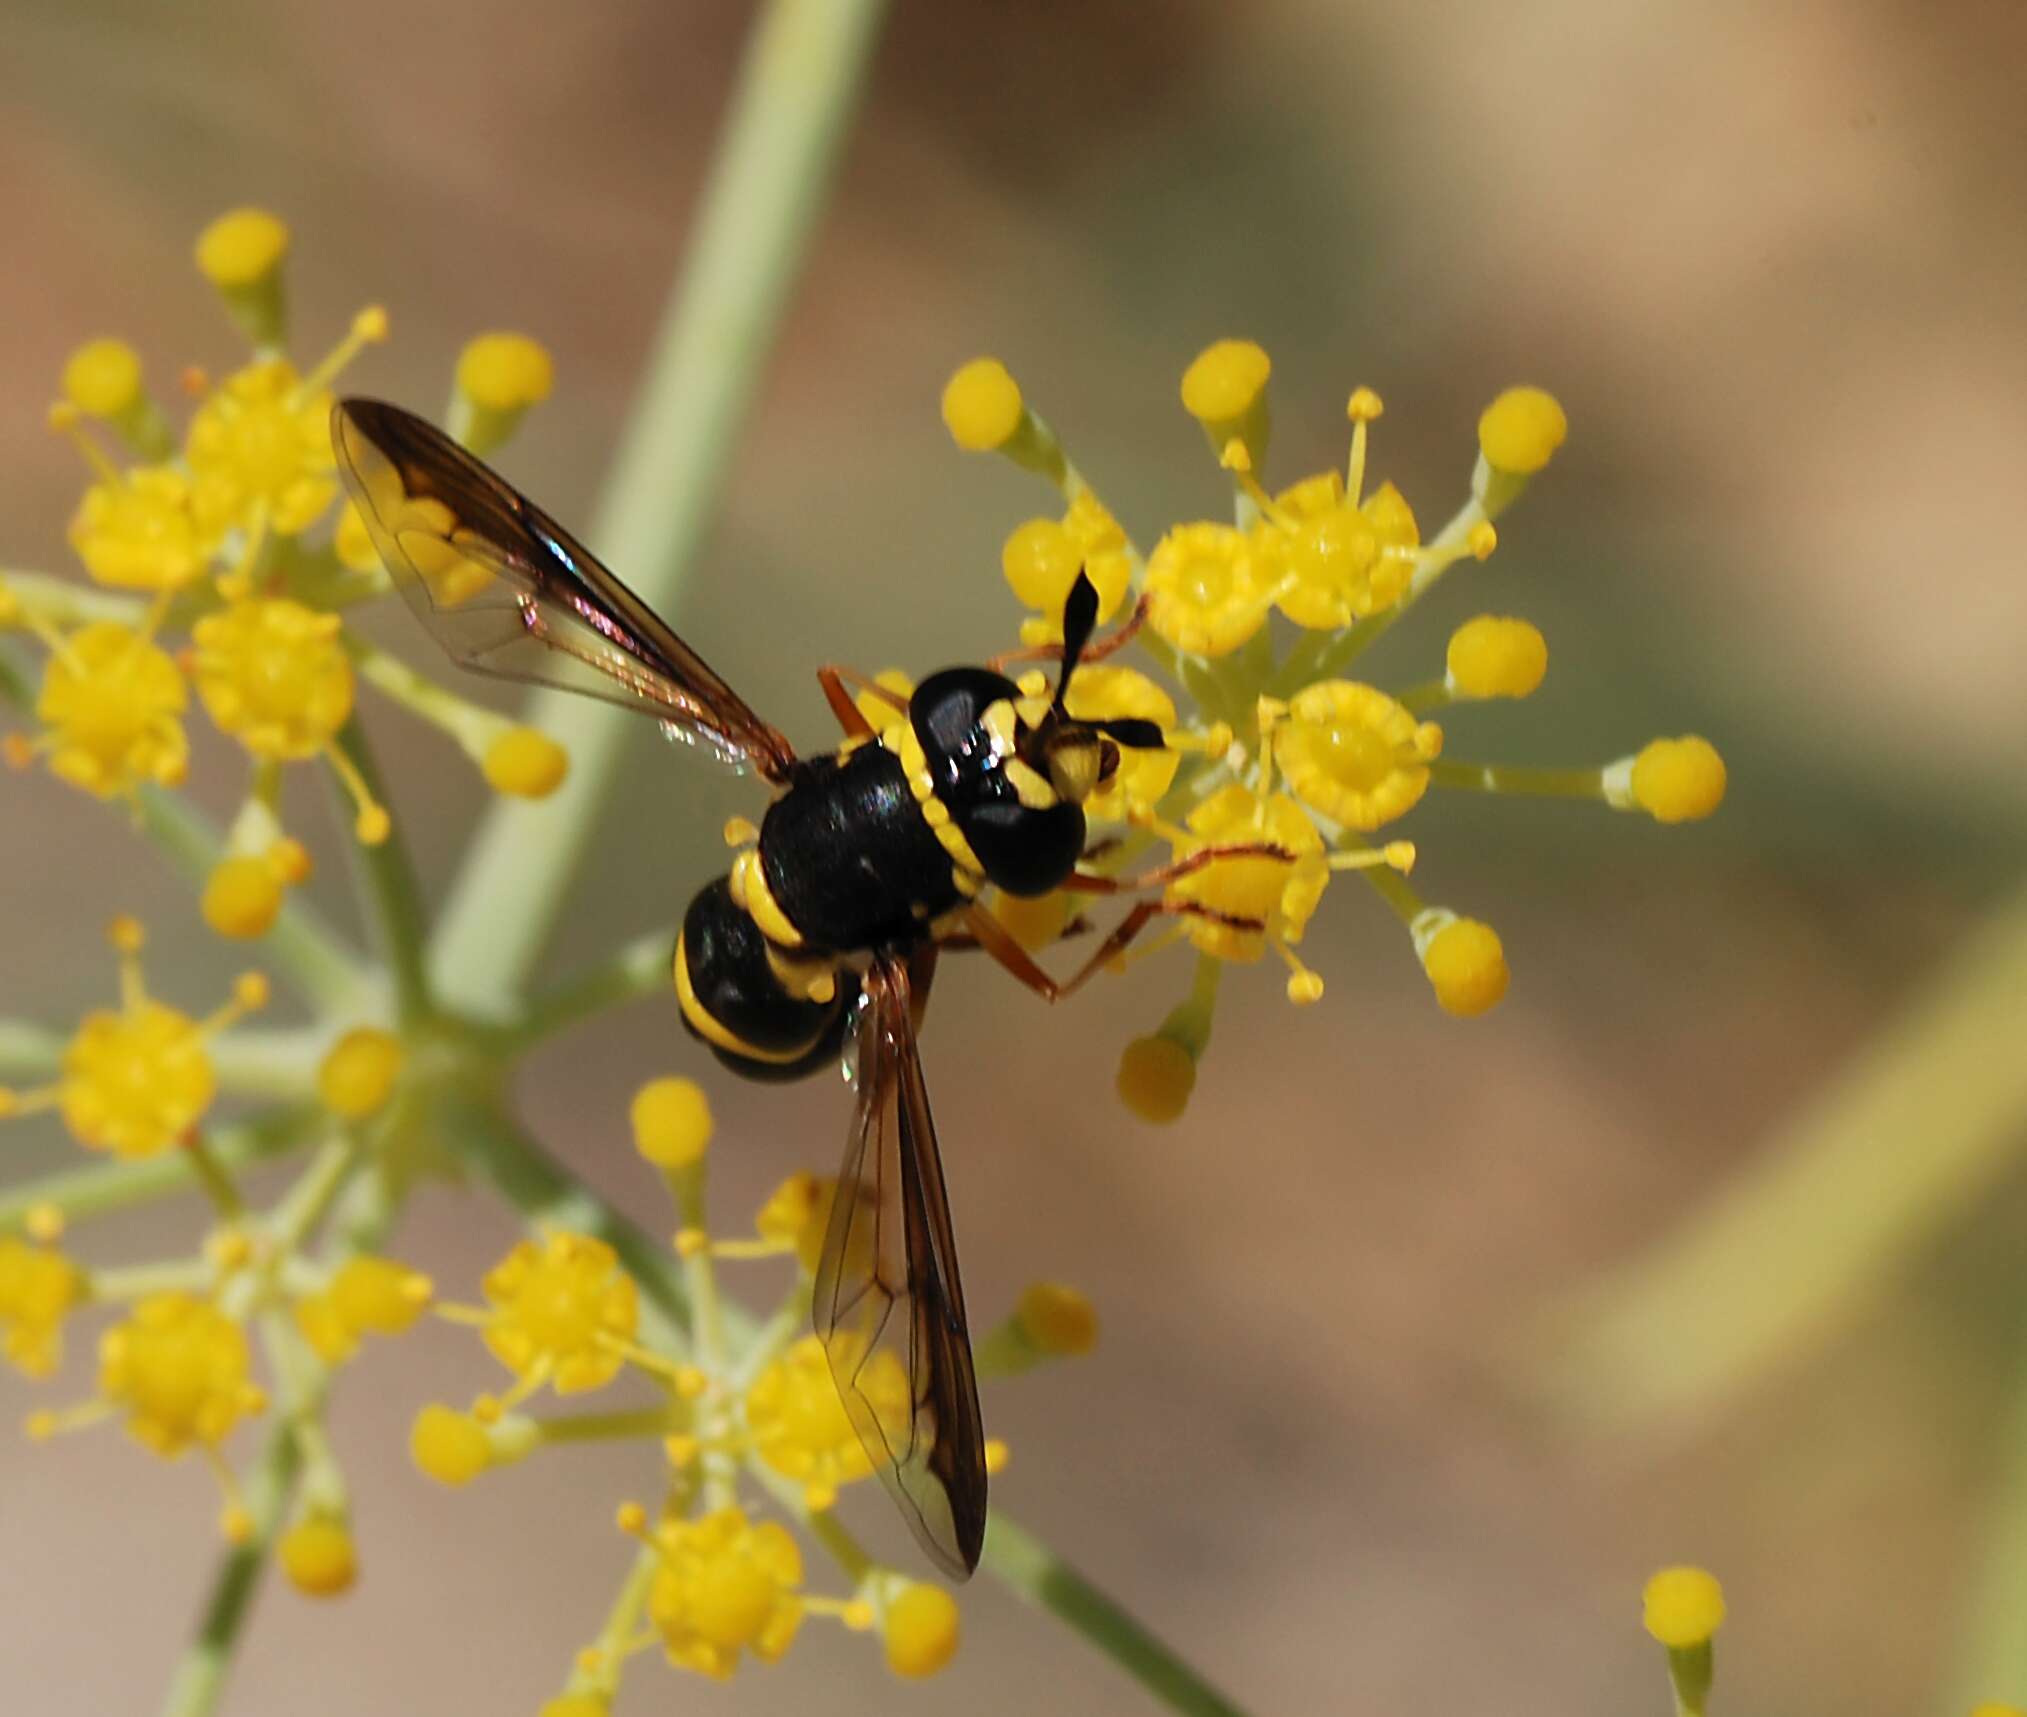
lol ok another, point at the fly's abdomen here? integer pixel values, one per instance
(849, 860)
(763, 1012)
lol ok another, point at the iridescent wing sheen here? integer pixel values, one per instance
(507, 591)
(889, 1307)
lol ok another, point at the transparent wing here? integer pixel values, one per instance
(889, 1307)
(507, 591)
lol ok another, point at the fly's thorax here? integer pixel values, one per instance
(961, 747)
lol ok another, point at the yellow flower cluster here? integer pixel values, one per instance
(176, 1366)
(226, 532)
(745, 1418)
(1284, 749)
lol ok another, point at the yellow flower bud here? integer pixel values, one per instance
(505, 372)
(449, 1446)
(358, 1072)
(1156, 1076)
(982, 406)
(1520, 431)
(241, 248)
(1678, 780)
(242, 897)
(1466, 966)
(525, 763)
(920, 1631)
(671, 1122)
(1225, 381)
(1494, 657)
(103, 378)
(1058, 1319)
(1683, 1606)
(318, 1556)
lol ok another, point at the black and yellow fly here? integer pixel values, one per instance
(869, 861)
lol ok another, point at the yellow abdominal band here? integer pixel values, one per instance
(710, 1030)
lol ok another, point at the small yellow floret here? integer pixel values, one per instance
(449, 1446)
(982, 406)
(379, 1296)
(525, 763)
(1156, 1076)
(358, 1072)
(920, 1630)
(671, 1122)
(1355, 754)
(1205, 590)
(1057, 1318)
(1991, 1710)
(242, 897)
(112, 702)
(1683, 1606)
(274, 675)
(725, 1586)
(103, 377)
(1679, 780)
(318, 1556)
(558, 1309)
(798, 1423)
(1520, 430)
(505, 372)
(38, 1288)
(1467, 967)
(135, 1082)
(575, 1705)
(1495, 657)
(1224, 381)
(178, 1366)
(242, 247)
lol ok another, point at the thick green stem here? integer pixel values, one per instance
(1035, 1572)
(639, 969)
(1992, 1658)
(797, 90)
(1905, 1142)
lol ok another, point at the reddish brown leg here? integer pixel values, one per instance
(1083, 882)
(994, 938)
(1095, 651)
(837, 683)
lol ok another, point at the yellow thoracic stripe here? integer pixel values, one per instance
(750, 890)
(709, 1028)
(966, 873)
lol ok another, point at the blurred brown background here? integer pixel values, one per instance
(1770, 258)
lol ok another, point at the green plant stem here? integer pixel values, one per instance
(85, 1192)
(1992, 1656)
(641, 968)
(27, 1051)
(1033, 1571)
(389, 891)
(797, 90)
(200, 1677)
(1906, 1141)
